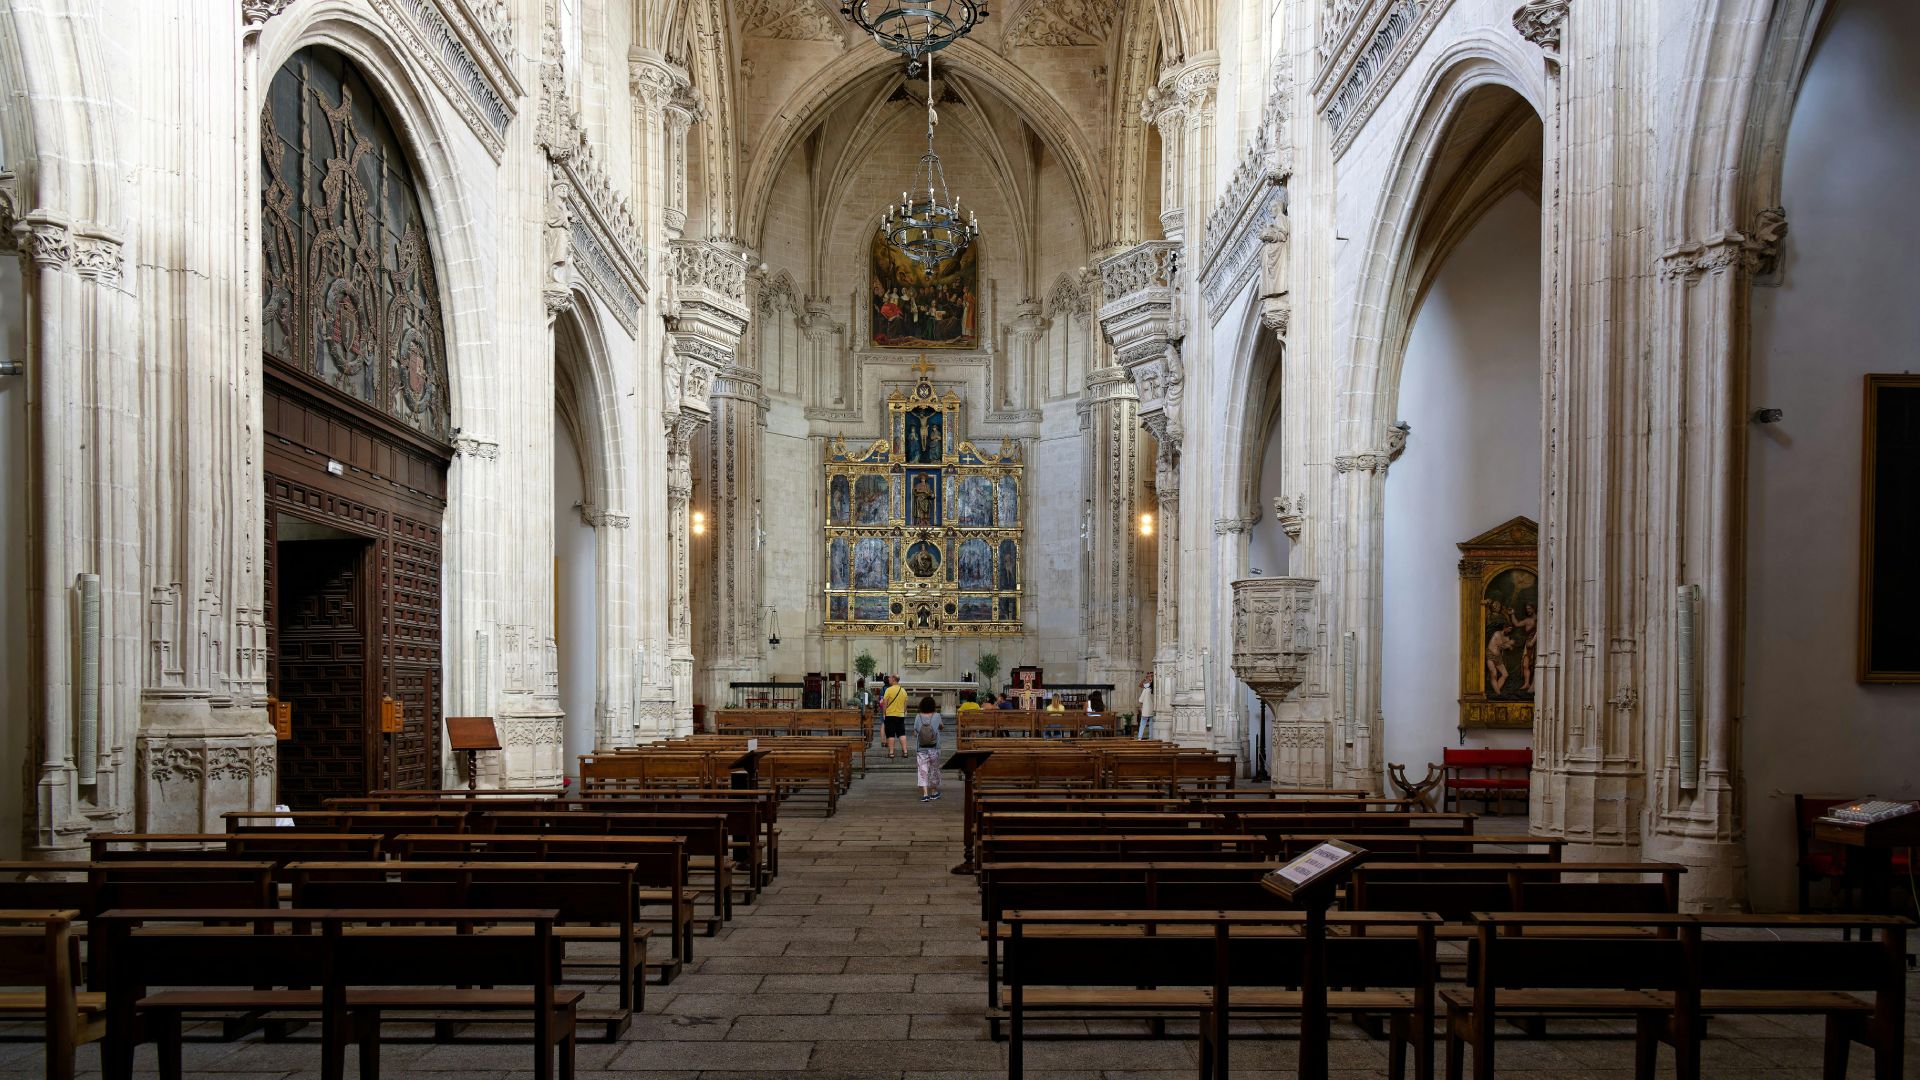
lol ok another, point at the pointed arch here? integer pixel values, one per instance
(1402, 245)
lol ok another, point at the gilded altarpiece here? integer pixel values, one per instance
(924, 529)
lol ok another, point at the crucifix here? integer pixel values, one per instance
(922, 369)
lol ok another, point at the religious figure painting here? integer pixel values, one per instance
(870, 564)
(1009, 566)
(1510, 629)
(976, 502)
(1009, 502)
(1499, 625)
(837, 608)
(838, 563)
(872, 609)
(923, 500)
(923, 307)
(976, 609)
(923, 559)
(976, 565)
(870, 502)
(839, 501)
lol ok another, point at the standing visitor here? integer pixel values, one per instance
(926, 735)
(1146, 707)
(893, 704)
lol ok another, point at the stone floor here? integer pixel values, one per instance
(863, 960)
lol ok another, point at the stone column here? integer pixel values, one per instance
(1113, 446)
(1607, 529)
(730, 586)
(706, 332)
(204, 745)
(1359, 493)
(681, 431)
(1166, 617)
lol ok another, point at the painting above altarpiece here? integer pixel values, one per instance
(1499, 625)
(924, 529)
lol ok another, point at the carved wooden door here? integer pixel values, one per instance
(409, 643)
(322, 668)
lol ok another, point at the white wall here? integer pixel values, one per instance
(1471, 389)
(1846, 308)
(15, 572)
(576, 577)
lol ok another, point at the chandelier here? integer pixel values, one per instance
(929, 230)
(916, 28)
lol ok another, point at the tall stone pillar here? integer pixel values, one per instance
(204, 744)
(1024, 334)
(1113, 447)
(729, 588)
(1353, 736)
(665, 706)
(1600, 600)
(706, 331)
(682, 430)
(1166, 616)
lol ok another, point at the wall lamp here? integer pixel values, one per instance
(699, 523)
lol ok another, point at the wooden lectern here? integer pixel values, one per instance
(967, 761)
(469, 735)
(1309, 883)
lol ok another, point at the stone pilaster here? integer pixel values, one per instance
(1166, 616)
(1359, 492)
(1589, 728)
(706, 331)
(681, 432)
(1113, 640)
(1021, 357)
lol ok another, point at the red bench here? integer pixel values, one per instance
(1490, 776)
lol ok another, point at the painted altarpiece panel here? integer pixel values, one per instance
(924, 529)
(1499, 625)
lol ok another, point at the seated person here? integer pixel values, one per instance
(1008, 702)
(967, 703)
(1054, 705)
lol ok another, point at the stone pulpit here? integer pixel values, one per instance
(1274, 622)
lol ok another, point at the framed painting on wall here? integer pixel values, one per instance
(923, 307)
(1499, 625)
(1889, 649)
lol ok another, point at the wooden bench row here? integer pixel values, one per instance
(843, 722)
(1678, 970)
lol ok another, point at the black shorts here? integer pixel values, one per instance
(894, 727)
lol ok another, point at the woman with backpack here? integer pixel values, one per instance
(926, 732)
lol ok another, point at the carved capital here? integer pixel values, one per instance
(604, 519)
(255, 13)
(1291, 514)
(1363, 461)
(44, 241)
(474, 447)
(1397, 439)
(1540, 21)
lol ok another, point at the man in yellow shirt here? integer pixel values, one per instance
(893, 708)
(969, 705)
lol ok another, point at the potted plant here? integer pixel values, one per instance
(988, 666)
(865, 664)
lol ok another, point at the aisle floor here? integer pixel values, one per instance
(863, 960)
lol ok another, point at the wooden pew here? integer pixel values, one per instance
(1086, 847)
(594, 902)
(91, 887)
(660, 867)
(708, 850)
(388, 823)
(321, 960)
(1084, 886)
(1408, 846)
(1275, 822)
(276, 846)
(38, 958)
(1008, 822)
(1675, 973)
(1214, 964)
(1456, 891)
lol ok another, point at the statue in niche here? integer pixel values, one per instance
(923, 501)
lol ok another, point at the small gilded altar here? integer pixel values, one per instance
(924, 528)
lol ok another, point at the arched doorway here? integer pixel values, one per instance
(356, 423)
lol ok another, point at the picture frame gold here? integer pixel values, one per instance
(1499, 625)
(1888, 645)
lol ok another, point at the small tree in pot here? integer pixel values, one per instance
(988, 666)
